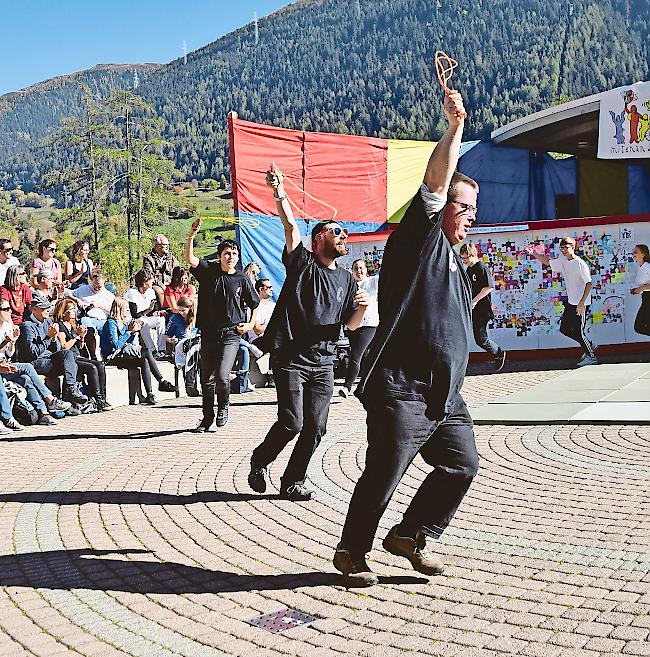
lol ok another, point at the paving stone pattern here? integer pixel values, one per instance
(124, 534)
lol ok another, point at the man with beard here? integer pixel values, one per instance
(316, 299)
(414, 368)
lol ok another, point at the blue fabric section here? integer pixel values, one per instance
(638, 184)
(503, 176)
(558, 177)
(263, 242)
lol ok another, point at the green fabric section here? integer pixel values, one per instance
(603, 188)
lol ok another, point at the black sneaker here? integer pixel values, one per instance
(149, 400)
(257, 478)
(74, 395)
(192, 391)
(46, 420)
(13, 424)
(222, 416)
(205, 426)
(296, 493)
(356, 572)
(166, 386)
(500, 360)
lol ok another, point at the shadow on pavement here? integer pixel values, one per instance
(128, 497)
(142, 435)
(88, 569)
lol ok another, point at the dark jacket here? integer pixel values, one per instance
(34, 342)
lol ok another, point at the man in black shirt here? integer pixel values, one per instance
(224, 296)
(482, 286)
(414, 368)
(316, 299)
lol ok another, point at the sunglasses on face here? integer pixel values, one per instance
(51, 248)
(22, 273)
(9, 250)
(336, 231)
(5, 309)
(266, 287)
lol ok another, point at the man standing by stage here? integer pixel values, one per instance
(414, 368)
(317, 297)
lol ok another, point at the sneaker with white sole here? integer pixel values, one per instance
(590, 360)
(13, 424)
(56, 404)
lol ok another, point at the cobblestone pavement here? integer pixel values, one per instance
(124, 534)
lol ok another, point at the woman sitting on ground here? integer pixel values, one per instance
(120, 329)
(79, 268)
(16, 292)
(46, 260)
(183, 337)
(72, 336)
(178, 287)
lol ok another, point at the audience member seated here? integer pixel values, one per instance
(96, 301)
(7, 259)
(137, 359)
(143, 305)
(183, 337)
(72, 336)
(159, 265)
(46, 287)
(17, 293)
(180, 286)
(79, 268)
(38, 345)
(24, 374)
(46, 260)
(8, 421)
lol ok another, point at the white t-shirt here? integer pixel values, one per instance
(11, 260)
(371, 285)
(643, 275)
(576, 275)
(142, 301)
(264, 312)
(7, 328)
(100, 300)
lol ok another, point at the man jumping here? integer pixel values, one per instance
(316, 299)
(414, 368)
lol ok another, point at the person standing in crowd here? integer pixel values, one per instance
(72, 336)
(577, 279)
(318, 297)
(482, 287)
(414, 369)
(38, 345)
(79, 268)
(46, 260)
(641, 255)
(7, 258)
(360, 339)
(178, 287)
(159, 265)
(224, 296)
(16, 292)
(143, 304)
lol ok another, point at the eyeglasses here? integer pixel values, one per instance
(266, 287)
(9, 250)
(336, 231)
(464, 257)
(466, 207)
(5, 309)
(22, 273)
(566, 246)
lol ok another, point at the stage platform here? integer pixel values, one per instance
(597, 394)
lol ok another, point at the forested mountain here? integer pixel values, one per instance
(365, 67)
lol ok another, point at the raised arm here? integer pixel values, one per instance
(190, 258)
(283, 207)
(444, 158)
(540, 256)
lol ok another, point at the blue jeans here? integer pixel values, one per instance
(243, 356)
(27, 377)
(5, 406)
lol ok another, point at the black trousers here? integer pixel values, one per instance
(573, 326)
(218, 355)
(359, 341)
(95, 374)
(397, 431)
(58, 363)
(479, 327)
(304, 395)
(642, 321)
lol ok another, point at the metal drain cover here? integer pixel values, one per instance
(280, 621)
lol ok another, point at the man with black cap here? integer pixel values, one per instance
(39, 346)
(316, 299)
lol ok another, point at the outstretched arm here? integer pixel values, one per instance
(540, 256)
(444, 158)
(282, 205)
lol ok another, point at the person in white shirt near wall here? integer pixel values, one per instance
(641, 255)
(577, 279)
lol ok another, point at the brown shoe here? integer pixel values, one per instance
(415, 551)
(356, 572)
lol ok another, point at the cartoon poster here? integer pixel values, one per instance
(624, 122)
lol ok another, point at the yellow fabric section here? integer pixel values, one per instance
(603, 188)
(407, 162)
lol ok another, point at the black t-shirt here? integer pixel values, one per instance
(223, 298)
(315, 301)
(480, 277)
(421, 347)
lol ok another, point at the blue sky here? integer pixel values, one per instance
(45, 38)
